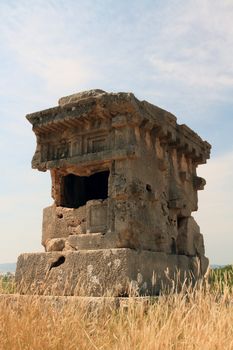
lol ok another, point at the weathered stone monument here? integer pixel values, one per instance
(124, 186)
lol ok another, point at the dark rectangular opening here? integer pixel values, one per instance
(77, 190)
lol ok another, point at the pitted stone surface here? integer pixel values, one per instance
(109, 272)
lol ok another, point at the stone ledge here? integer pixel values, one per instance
(90, 159)
(61, 301)
(88, 304)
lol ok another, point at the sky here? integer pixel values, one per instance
(174, 54)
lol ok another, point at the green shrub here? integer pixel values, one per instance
(221, 278)
(7, 284)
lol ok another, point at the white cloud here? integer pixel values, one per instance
(192, 74)
(215, 208)
(39, 40)
(21, 212)
(195, 45)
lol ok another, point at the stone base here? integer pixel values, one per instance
(75, 302)
(104, 272)
(60, 303)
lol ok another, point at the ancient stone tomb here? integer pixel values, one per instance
(124, 187)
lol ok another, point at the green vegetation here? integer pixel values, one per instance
(221, 278)
(7, 284)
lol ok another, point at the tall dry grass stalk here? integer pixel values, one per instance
(200, 318)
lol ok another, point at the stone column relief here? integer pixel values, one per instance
(124, 186)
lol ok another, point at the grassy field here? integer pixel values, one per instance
(199, 318)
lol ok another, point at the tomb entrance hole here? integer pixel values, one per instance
(77, 190)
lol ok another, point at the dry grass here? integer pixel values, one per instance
(194, 319)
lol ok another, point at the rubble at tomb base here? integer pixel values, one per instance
(124, 186)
